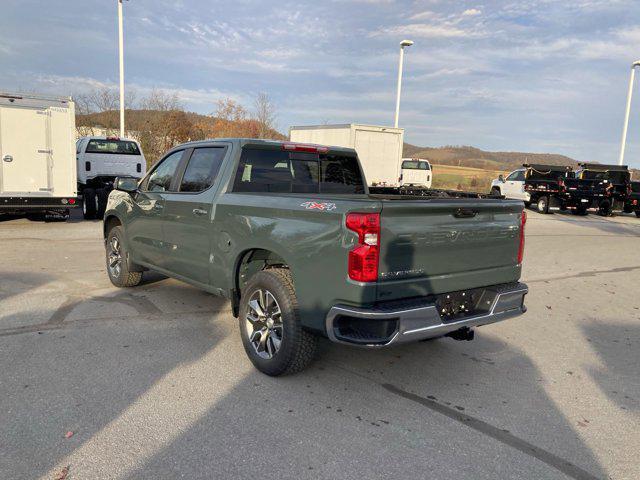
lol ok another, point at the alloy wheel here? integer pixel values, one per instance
(264, 323)
(115, 257)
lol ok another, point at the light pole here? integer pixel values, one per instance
(121, 50)
(627, 111)
(403, 43)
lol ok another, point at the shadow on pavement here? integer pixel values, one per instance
(618, 347)
(343, 418)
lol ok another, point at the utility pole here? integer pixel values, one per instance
(623, 144)
(121, 51)
(404, 43)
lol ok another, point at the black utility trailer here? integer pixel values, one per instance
(633, 199)
(545, 185)
(609, 184)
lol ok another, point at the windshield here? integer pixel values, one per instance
(415, 165)
(120, 147)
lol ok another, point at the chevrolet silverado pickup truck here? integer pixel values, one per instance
(293, 237)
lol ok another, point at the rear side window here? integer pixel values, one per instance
(202, 169)
(415, 165)
(161, 178)
(119, 147)
(296, 172)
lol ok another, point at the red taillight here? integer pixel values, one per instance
(72, 201)
(560, 184)
(523, 221)
(363, 259)
(304, 147)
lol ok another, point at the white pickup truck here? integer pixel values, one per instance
(416, 172)
(512, 186)
(99, 161)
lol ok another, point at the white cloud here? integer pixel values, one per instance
(471, 12)
(426, 31)
(427, 14)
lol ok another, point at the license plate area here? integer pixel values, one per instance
(455, 306)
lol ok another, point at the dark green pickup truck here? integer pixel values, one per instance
(292, 235)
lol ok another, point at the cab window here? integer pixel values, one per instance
(202, 169)
(161, 177)
(517, 176)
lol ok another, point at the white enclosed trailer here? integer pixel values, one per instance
(37, 154)
(379, 148)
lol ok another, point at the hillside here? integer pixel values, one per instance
(465, 156)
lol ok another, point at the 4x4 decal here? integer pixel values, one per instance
(322, 206)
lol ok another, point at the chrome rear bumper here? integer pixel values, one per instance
(420, 320)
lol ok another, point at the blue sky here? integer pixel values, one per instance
(527, 75)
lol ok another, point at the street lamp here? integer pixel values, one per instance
(121, 50)
(403, 43)
(627, 111)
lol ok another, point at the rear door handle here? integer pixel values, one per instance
(199, 211)
(465, 213)
(7, 158)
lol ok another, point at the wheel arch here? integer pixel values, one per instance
(248, 263)
(110, 221)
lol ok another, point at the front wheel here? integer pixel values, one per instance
(272, 335)
(496, 192)
(638, 213)
(117, 260)
(543, 204)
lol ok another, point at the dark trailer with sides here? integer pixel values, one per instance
(545, 186)
(610, 185)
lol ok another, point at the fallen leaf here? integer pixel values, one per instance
(63, 474)
(69, 434)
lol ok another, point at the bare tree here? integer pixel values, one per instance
(265, 115)
(162, 101)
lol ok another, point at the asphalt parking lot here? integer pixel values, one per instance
(153, 382)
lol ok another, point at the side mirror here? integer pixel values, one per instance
(501, 178)
(126, 184)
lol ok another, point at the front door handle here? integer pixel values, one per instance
(199, 211)
(7, 158)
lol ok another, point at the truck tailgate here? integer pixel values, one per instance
(438, 246)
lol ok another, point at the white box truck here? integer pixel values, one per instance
(379, 148)
(37, 155)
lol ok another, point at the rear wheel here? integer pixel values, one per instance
(101, 201)
(89, 204)
(272, 335)
(579, 211)
(118, 267)
(543, 204)
(604, 209)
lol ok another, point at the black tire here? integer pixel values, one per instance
(122, 276)
(527, 204)
(604, 209)
(579, 211)
(638, 213)
(89, 204)
(297, 347)
(543, 205)
(495, 191)
(101, 201)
